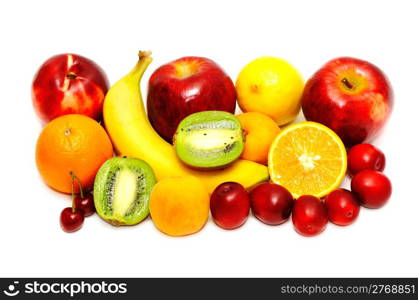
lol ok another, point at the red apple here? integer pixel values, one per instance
(185, 86)
(69, 84)
(351, 96)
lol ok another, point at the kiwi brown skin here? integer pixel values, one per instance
(199, 121)
(135, 202)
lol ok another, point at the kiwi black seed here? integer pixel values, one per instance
(209, 139)
(122, 190)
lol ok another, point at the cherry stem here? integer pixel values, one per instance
(347, 83)
(79, 184)
(72, 193)
(74, 177)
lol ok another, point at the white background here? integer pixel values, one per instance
(306, 33)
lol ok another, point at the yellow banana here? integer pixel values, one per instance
(132, 135)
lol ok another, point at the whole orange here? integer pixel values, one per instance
(71, 143)
(259, 131)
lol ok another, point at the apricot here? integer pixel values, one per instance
(259, 131)
(179, 205)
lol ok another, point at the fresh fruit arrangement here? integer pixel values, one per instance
(132, 135)
(190, 155)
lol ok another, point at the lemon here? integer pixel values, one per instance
(271, 86)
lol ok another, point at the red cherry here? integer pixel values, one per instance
(365, 156)
(372, 188)
(342, 207)
(71, 219)
(85, 204)
(271, 203)
(229, 205)
(309, 215)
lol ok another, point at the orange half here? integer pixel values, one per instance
(307, 158)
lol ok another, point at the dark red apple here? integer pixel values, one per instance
(351, 96)
(185, 86)
(69, 84)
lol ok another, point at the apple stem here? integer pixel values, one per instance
(347, 83)
(71, 75)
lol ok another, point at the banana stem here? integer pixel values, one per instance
(143, 54)
(143, 62)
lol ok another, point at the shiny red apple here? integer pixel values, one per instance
(351, 96)
(69, 84)
(185, 86)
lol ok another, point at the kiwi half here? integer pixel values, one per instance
(209, 139)
(122, 189)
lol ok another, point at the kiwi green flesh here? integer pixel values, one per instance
(122, 190)
(209, 139)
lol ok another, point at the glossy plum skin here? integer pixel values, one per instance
(342, 207)
(309, 216)
(229, 205)
(70, 220)
(363, 157)
(172, 96)
(69, 84)
(372, 188)
(356, 111)
(271, 203)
